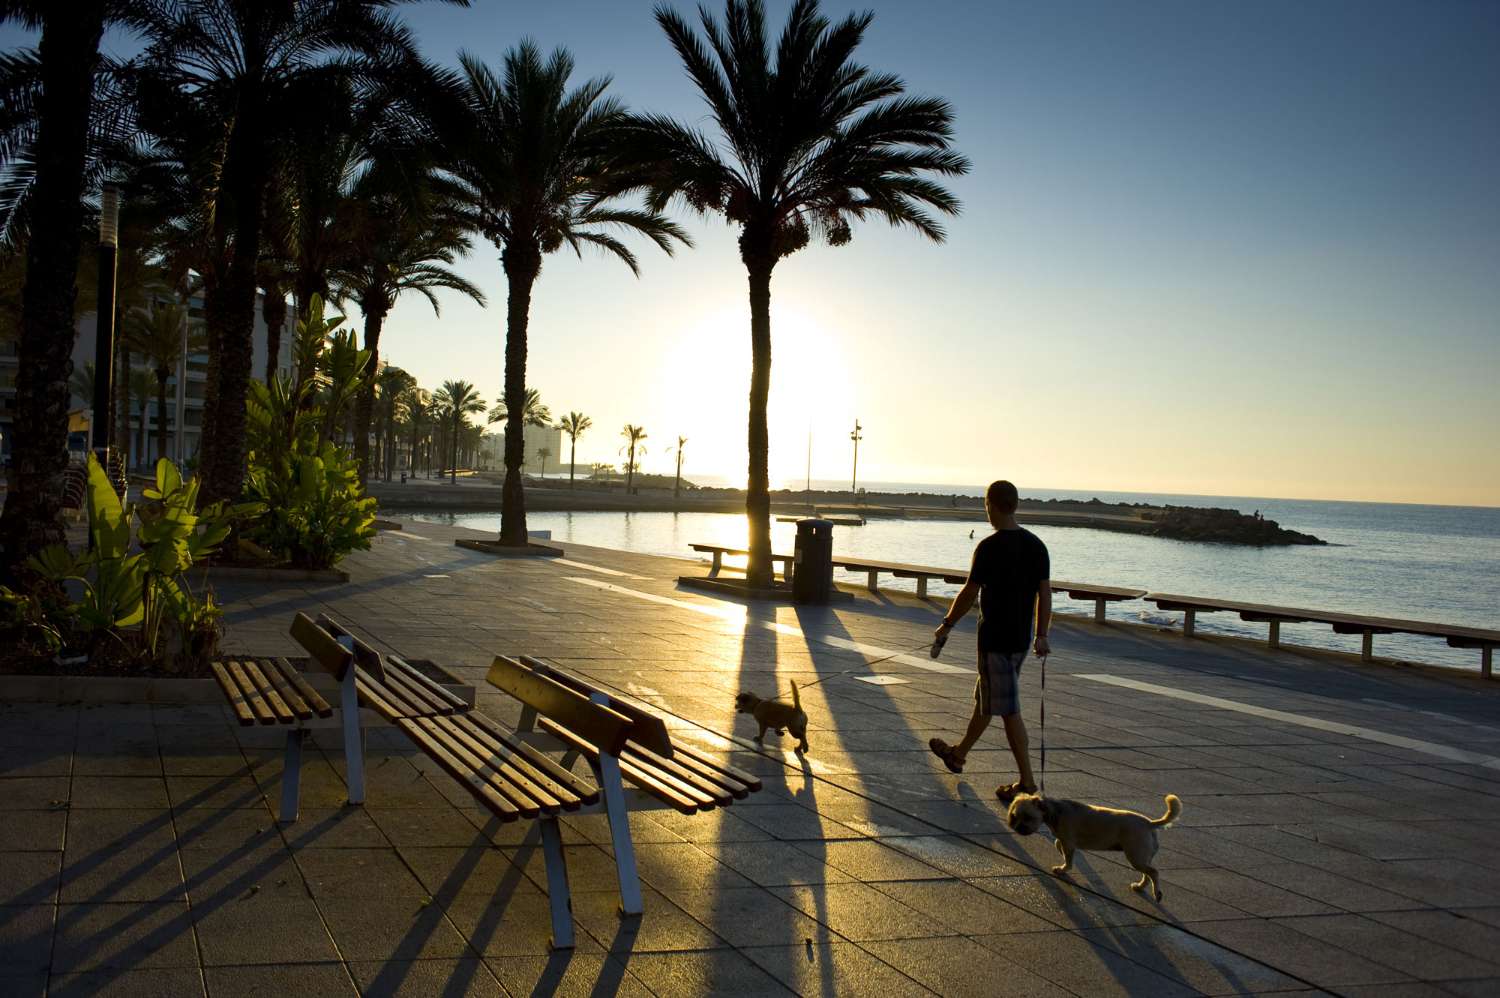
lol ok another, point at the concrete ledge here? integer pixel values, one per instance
(386, 524)
(508, 550)
(247, 573)
(777, 592)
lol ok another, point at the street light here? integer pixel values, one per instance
(856, 436)
(104, 337)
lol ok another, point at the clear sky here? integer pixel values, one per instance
(1243, 249)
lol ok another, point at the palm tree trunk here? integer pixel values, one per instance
(364, 406)
(273, 311)
(758, 491)
(630, 470)
(572, 458)
(453, 468)
(162, 374)
(522, 263)
(69, 54)
(140, 433)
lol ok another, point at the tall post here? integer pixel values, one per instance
(856, 436)
(104, 336)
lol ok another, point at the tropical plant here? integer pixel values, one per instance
(809, 144)
(677, 482)
(533, 413)
(420, 412)
(536, 162)
(574, 424)
(633, 436)
(457, 401)
(161, 335)
(542, 454)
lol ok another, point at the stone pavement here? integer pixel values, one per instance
(1337, 833)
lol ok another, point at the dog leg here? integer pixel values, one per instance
(762, 736)
(1147, 872)
(1067, 855)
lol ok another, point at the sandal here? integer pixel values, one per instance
(944, 751)
(1011, 791)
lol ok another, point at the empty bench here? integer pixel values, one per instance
(719, 551)
(1100, 595)
(922, 573)
(1342, 623)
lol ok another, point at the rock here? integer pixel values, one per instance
(1225, 526)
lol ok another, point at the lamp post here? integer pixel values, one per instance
(856, 436)
(104, 336)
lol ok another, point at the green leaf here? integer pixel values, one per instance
(108, 527)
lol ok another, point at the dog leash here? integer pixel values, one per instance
(817, 682)
(1041, 781)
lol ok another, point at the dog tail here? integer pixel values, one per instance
(1174, 808)
(796, 700)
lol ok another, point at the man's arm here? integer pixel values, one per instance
(962, 604)
(1043, 617)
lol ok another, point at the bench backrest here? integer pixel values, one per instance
(605, 727)
(333, 648)
(646, 729)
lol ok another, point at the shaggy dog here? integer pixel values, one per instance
(781, 717)
(1086, 826)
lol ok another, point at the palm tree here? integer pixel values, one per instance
(247, 63)
(82, 383)
(394, 386)
(633, 436)
(406, 240)
(537, 162)
(543, 453)
(158, 335)
(67, 59)
(141, 383)
(420, 411)
(457, 400)
(574, 424)
(533, 413)
(677, 484)
(808, 145)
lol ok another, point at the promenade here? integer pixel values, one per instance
(1337, 835)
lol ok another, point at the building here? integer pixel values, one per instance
(535, 438)
(184, 390)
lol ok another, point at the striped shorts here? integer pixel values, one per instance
(998, 692)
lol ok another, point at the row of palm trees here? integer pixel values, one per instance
(272, 136)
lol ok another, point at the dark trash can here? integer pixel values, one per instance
(812, 578)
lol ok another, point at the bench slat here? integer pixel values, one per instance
(321, 646)
(529, 800)
(365, 656)
(289, 696)
(234, 695)
(646, 729)
(702, 771)
(312, 697)
(748, 779)
(375, 698)
(279, 707)
(711, 786)
(497, 757)
(563, 784)
(432, 686)
(595, 722)
(493, 799)
(398, 677)
(644, 780)
(252, 693)
(539, 759)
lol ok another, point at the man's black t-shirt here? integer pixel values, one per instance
(1009, 566)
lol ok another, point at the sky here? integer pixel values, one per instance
(1221, 249)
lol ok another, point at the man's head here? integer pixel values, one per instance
(1000, 501)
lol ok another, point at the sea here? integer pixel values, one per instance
(1437, 563)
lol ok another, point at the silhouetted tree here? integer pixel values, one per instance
(574, 424)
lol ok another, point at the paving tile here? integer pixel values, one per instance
(956, 856)
(717, 972)
(305, 980)
(682, 866)
(443, 826)
(832, 968)
(262, 867)
(333, 873)
(569, 975)
(261, 929)
(518, 926)
(26, 938)
(750, 916)
(28, 878)
(1251, 896)
(963, 907)
(334, 828)
(46, 793)
(123, 937)
(960, 967)
(33, 831)
(467, 978)
(860, 912)
(175, 981)
(869, 861)
(475, 869)
(774, 863)
(390, 928)
(1412, 955)
(1082, 966)
(1460, 930)
(1060, 902)
(661, 927)
(1297, 953)
(219, 792)
(119, 791)
(1198, 963)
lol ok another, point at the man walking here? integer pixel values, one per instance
(1009, 576)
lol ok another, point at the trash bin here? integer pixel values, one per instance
(812, 579)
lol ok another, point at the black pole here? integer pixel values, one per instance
(104, 335)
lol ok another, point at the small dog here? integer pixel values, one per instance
(1087, 826)
(781, 717)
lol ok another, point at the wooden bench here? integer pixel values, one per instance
(922, 573)
(1101, 595)
(719, 551)
(1342, 623)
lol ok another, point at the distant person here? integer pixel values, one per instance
(1009, 577)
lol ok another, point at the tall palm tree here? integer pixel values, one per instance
(406, 240)
(82, 383)
(420, 412)
(246, 61)
(158, 335)
(574, 424)
(633, 436)
(677, 484)
(394, 387)
(141, 383)
(457, 400)
(537, 162)
(543, 453)
(533, 413)
(68, 57)
(808, 144)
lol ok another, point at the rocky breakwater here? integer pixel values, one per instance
(1225, 526)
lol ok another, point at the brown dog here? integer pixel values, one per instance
(778, 716)
(1087, 826)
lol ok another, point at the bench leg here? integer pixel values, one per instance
(291, 775)
(713, 571)
(1098, 611)
(922, 587)
(1273, 639)
(354, 741)
(1486, 662)
(619, 834)
(1187, 623)
(557, 885)
(872, 580)
(1367, 647)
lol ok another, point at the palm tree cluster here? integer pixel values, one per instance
(306, 150)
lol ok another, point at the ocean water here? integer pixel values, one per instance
(1439, 563)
